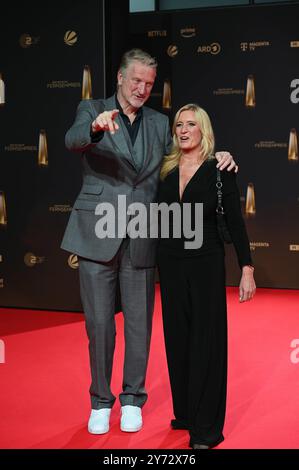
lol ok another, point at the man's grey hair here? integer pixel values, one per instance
(137, 55)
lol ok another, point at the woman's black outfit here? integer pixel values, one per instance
(194, 304)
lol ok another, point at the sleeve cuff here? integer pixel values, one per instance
(95, 137)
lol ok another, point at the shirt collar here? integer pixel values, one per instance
(138, 112)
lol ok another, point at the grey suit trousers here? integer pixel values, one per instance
(98, 283)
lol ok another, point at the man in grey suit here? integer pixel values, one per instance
(122, 144)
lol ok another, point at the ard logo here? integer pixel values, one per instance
(212, 49)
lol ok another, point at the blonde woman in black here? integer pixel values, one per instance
(193, 280)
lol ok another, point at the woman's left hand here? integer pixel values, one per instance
(247, 285)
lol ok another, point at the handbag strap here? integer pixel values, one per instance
(219, 208)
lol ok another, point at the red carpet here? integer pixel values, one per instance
(44, 401)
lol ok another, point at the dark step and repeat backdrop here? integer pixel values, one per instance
(51, 57)
(242, 66)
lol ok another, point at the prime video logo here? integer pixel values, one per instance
(152, 220)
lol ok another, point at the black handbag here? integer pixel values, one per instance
(222, 227)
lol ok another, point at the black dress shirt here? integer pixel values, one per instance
(131, 128)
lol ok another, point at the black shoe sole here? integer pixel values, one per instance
(210, 446)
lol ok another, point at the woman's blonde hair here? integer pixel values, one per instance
(171, 161)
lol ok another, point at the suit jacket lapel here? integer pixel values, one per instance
(119, 138)
(149, 134)
(124, 144)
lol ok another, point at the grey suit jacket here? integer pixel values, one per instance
(110, 169)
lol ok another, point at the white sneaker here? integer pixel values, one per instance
(98, 422)
(131, 418)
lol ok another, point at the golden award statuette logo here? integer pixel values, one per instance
(166, 104)
(293, 146)
(73, 261)
(42, 149)
(172, 51)
(250, 201)
(2, 91)
(250, 93)
(70, 38)
(3, 216)
(86, 84)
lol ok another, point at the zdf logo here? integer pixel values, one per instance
(26, 40)
(294, 97)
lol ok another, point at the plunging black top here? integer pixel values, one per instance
(202, 188)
